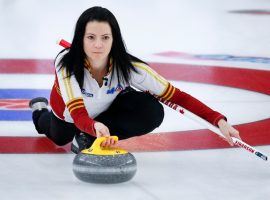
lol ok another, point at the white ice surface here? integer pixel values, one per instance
(230, 174)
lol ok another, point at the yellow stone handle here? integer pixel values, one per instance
(98, 141)
(96, 149)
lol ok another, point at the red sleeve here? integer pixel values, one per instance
(174, 95)
(76, 109)
(83, 122)
(80, 116)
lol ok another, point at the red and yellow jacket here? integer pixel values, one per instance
(80, 106)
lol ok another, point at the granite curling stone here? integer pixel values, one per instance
(104, 165)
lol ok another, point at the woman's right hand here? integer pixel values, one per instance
(103, 131)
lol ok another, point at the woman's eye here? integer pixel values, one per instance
(90, 37)
(106, 37)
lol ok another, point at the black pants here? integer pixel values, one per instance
(132, 113)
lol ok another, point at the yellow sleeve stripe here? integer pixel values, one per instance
(171, 94)
(151, 72)
(74, 101)
(67, 84)
(168, 92)
(165, 91)
(75, 104)
(167, 95)
(76, 107)
(71, 106)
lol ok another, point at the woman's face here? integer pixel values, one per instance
(97, 41)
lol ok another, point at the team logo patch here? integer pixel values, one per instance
(118, 88)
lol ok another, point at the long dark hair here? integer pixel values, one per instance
(73, 60)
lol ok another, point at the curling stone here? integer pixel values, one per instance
(104, 164)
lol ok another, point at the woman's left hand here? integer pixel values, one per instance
(228, 131)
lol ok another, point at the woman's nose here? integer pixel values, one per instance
(98, 44)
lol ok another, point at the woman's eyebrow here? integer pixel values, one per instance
(101, 35)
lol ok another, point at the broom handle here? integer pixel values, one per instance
(214, 129)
